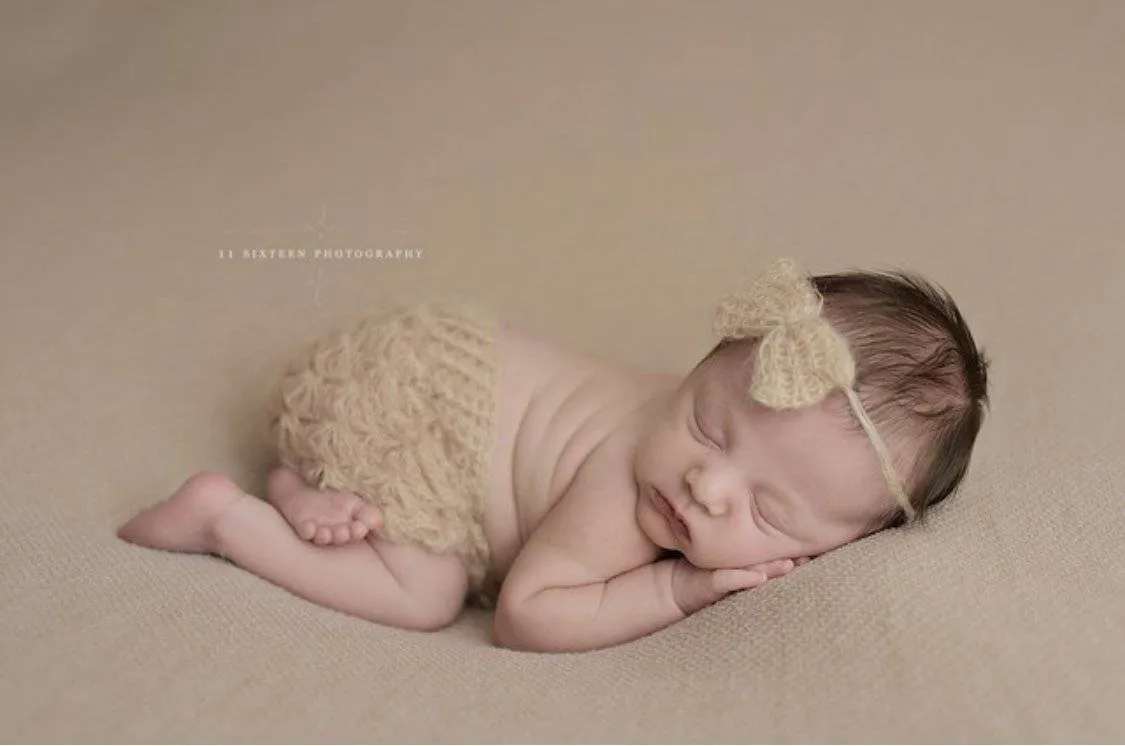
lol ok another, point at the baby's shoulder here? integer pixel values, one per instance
(554, 382)
(564, 391)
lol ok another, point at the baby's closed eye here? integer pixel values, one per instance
(702, 430)
(771, 524)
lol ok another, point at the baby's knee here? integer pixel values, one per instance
(434, 585)
(433, 614)
(438, 602)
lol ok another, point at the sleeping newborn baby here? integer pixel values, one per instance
(433, 455)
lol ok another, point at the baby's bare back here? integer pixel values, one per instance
(556, 407)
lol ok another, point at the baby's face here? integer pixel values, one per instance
(729, 482)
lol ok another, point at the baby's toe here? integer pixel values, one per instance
(341, 534)
(369, 516)
(323, 535)
(358, 531)
(307, 530)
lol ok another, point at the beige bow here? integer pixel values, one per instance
(801, 357)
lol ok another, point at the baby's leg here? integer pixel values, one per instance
(394, 584)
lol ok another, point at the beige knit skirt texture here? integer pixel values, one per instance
(401, 410)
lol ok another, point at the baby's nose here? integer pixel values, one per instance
(716, 507)
(709, 492)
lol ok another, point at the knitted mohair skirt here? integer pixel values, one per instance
(401, 410)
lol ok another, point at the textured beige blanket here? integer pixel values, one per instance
(191, 190)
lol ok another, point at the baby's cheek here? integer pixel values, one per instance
(659, 451)
(752, 547)
(673, 448)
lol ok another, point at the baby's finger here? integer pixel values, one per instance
(781, 567)
(773, 569)
(729, 581)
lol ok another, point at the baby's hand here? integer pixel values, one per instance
(694, 588)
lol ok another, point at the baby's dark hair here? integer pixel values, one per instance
(919, 373)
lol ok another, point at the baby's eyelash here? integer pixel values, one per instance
(758, 509)
(702, 432)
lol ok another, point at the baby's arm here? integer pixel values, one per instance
(586, 579)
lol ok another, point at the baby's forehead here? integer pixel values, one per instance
(723, 383)
(727, 375)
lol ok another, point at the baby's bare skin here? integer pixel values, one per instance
(556, 408)
(595, 474)
(745, 493)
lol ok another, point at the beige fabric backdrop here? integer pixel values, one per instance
(602, 172)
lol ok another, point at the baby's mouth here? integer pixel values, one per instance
(677, 524)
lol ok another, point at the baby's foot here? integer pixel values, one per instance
(185, 522)
(328, 517)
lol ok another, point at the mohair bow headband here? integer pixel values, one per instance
(801, 357)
